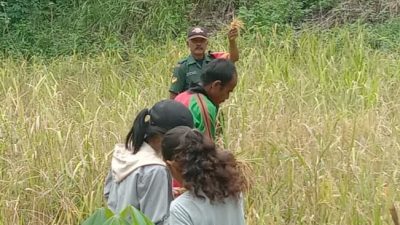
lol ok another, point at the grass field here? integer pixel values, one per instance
(315, 115)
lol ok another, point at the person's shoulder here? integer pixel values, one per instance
(148, 171)
(181, 210)
(208, 101)
(152, 173)
(183, 201)
(184, 97)
(183, 61)
(153, 169)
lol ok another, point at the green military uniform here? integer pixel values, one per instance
(187, 72)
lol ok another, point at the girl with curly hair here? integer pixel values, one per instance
(211, 176)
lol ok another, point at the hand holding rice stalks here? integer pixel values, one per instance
(237, 23)
(234, 28)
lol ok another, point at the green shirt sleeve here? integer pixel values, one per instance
(178, 79)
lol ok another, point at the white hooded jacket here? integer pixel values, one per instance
(124, 162)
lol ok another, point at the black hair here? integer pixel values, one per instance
(162, 117)
(141, 130)
(218, 69)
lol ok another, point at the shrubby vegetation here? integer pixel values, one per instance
(53, 28)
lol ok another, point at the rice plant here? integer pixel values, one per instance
(314, 114)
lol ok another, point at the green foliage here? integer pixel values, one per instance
(263, 14)
(39, 27)
(49, 28)
(385, 35)
(129, 216)
(52, 28)
(314, 113)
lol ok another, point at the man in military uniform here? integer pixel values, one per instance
(188, 70)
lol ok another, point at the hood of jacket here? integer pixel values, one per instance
(124, 162)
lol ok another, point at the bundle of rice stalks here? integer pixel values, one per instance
(237, 23)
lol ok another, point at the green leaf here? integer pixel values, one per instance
(116, 220)
(109, 213)
(137, 217)
(98, 217)
(130, 215)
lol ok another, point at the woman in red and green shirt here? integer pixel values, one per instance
(218, 79)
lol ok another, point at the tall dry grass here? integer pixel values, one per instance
(315, 115)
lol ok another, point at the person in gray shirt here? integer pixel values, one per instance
(138, 175)
(212, 177)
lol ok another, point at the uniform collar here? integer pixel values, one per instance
(191, 60)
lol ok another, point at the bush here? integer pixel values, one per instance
(385, 35)
(52, 28)
(38, 27)
(263, 14)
